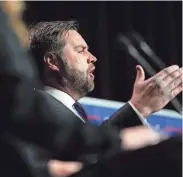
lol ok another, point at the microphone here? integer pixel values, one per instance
(125, 41)
(147, 50)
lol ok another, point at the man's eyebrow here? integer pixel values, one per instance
(82, 46)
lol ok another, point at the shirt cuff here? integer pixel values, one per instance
(143, 120)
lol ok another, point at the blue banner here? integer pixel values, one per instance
(99, 110)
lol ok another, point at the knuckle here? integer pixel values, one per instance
(177, 82)
(181, 86)
(151, 85)
(177, 73)
(172, 85)
(168, 79)
(171, 69)
(157, 80)
(162, 84)
(166, 70)
(176, 91)
(172, 94)
(181, 70)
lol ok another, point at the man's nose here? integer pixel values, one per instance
(92, 58)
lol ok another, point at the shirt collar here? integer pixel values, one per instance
(61, 96)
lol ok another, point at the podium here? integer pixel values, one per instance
(161, 160)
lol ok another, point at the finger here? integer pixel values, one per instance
(162, 74)
(71, 167)
(175, 83)
(138, 137)
(63, 169)
(177, 90)
(173, 78)
(140, 76)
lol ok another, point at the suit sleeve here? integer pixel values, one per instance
(123, 118)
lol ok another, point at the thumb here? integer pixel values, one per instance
(140, 74)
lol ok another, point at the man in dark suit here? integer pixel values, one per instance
(66, 68)
(37, 128)
(29, 122)
(18, 78)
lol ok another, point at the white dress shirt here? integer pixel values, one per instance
(144, 121)
(68, 101)
(63, 97)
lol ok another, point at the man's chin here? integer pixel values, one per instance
(91, 86)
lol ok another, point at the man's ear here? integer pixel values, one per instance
(51, 61)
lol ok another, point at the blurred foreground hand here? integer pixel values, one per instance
(138, 137)
(63, 169)
(132, 138)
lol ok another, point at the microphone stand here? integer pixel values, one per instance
(140, 59)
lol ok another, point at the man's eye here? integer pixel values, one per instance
(81, 51)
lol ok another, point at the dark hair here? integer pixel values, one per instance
(48, 37)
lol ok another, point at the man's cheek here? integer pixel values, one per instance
(82, 67)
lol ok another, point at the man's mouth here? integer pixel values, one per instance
(92, 76)
(91, 73)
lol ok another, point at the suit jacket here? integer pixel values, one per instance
(36, 127)
(75, 141)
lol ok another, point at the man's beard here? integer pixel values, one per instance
(78, 81)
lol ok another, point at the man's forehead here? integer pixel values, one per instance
(74, 38)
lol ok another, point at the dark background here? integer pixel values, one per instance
(160, 23)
